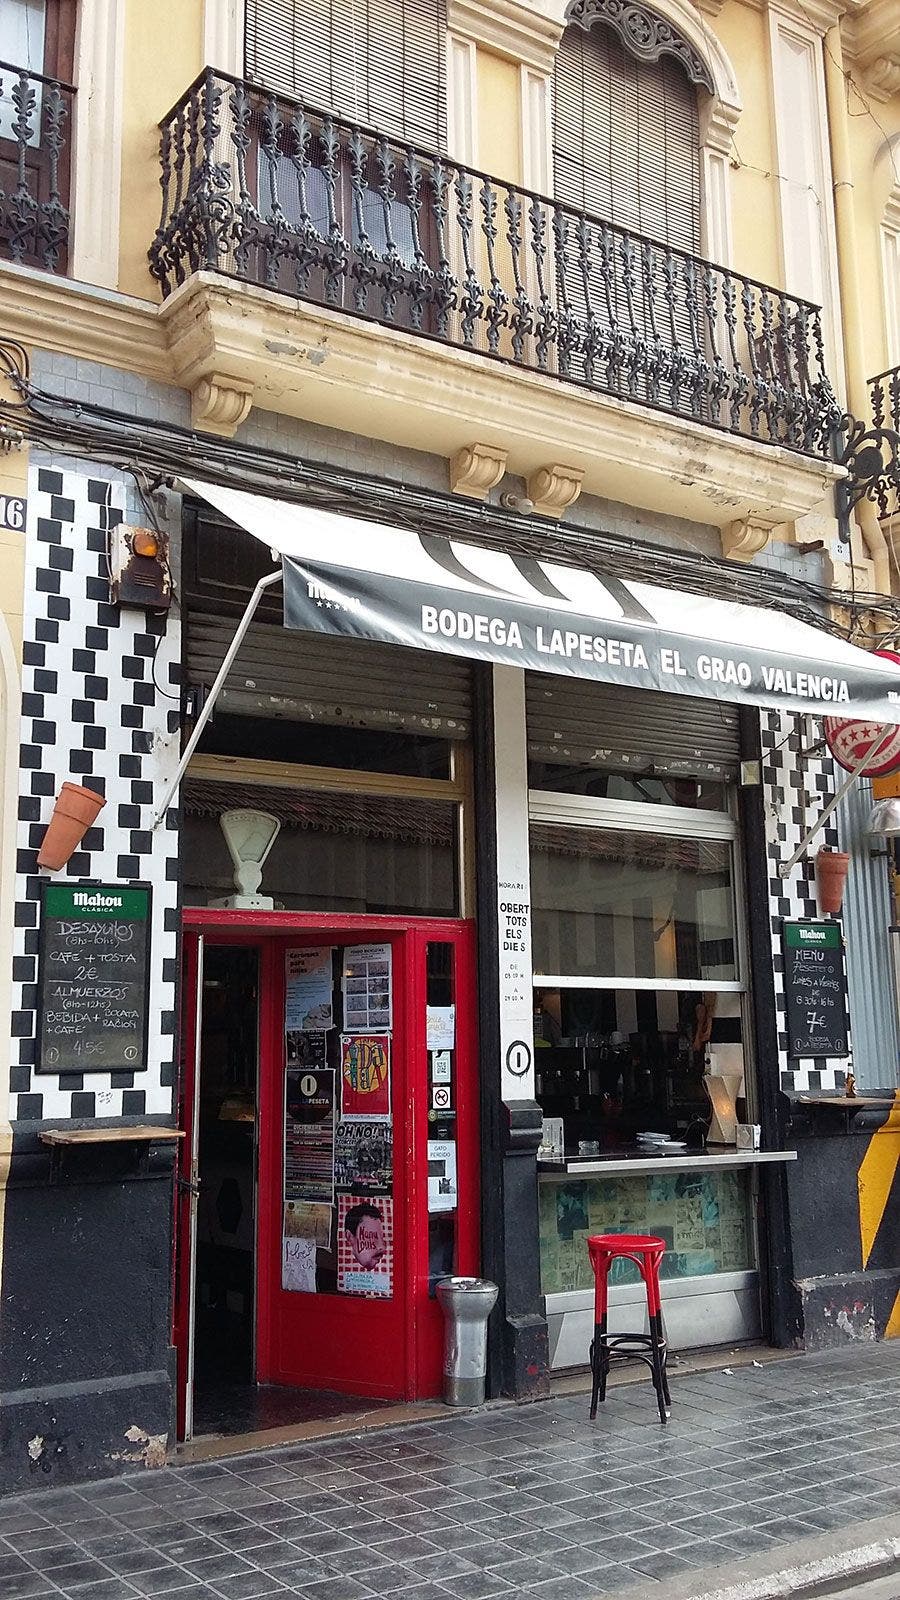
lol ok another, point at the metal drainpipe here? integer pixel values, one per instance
(848, 273)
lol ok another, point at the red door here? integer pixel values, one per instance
(349, 1245)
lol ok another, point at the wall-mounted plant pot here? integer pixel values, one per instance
(75, 811)
(831, 876)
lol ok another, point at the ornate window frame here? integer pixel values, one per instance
(890, 270)
(223, 35)
(97, 164)
(530, 34)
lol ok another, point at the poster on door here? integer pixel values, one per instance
(306, 1049)
(442, 1186)
(366, 986)
(308, 990)
(366, 1077)
(365, 1244)
(309, 1134)
(364, 1156)
(298, 1265)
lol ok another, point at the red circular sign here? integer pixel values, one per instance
(849, 740)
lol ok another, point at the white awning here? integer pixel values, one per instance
(358, 579)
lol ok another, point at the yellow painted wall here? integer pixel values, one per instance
(743, 32)
(13, 481)
(872, 123)
(163, 49)
(499, 117)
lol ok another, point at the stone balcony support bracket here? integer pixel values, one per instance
(476, 469)
(219, 404)
(745, 537)
(554, 489)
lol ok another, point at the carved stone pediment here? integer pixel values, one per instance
(644, 33)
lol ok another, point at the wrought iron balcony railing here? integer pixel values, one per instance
(884, 392)
(275, 193)
(35, 168)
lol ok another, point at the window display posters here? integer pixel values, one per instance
(440, 1066)
(366, 986)
(308, 990)
(440, 1024)
(298, 1265)
(306, 1049)
(363, 1156)
(366, 1077)
(309, 1134)
(308, 1219)
(365, 1244)
(442, 1191)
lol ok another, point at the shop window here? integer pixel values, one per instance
(335, 852)
(613, 904)
(320, 745)
(644, 788)
(639, 965)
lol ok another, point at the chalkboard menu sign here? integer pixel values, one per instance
(815, 986)
(94, 978)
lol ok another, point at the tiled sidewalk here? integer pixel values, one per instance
(515, 1500)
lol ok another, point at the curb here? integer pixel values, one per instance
(855, 1554)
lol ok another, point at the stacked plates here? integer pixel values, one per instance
(660, 1141)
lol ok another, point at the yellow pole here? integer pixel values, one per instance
(848, 273)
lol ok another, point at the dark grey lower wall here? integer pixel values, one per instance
(845, 1227)
(85, 1359)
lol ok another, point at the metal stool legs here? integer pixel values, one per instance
(651, 1348)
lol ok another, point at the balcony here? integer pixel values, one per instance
(884, 392)
(305, 261)
(35, 168)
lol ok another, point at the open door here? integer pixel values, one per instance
(328, 1176)
(187, 1180)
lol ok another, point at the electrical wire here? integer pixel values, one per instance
(162, 453)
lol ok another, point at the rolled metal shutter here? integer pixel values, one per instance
(383, 66)
(305, 677)
(626, 138)
(573, 722)
(866, 915)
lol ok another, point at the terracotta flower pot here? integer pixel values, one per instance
(76, 808)
(831, 875)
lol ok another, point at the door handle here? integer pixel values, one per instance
(188, 1185)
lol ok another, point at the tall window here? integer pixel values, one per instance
(626, 137)
(37, 43)
(383, 66)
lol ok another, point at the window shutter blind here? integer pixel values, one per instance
(626, 138)
(382, 67)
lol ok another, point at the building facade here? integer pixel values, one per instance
(450, 473)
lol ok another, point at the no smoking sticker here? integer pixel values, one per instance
(440, 1097)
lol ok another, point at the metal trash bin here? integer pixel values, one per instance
(466, 1303)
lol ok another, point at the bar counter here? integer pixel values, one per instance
(701, 1202)
(680, 1161)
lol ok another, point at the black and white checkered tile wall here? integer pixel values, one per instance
(100, 708)
(796, 789)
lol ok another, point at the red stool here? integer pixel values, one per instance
(646, 1252)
